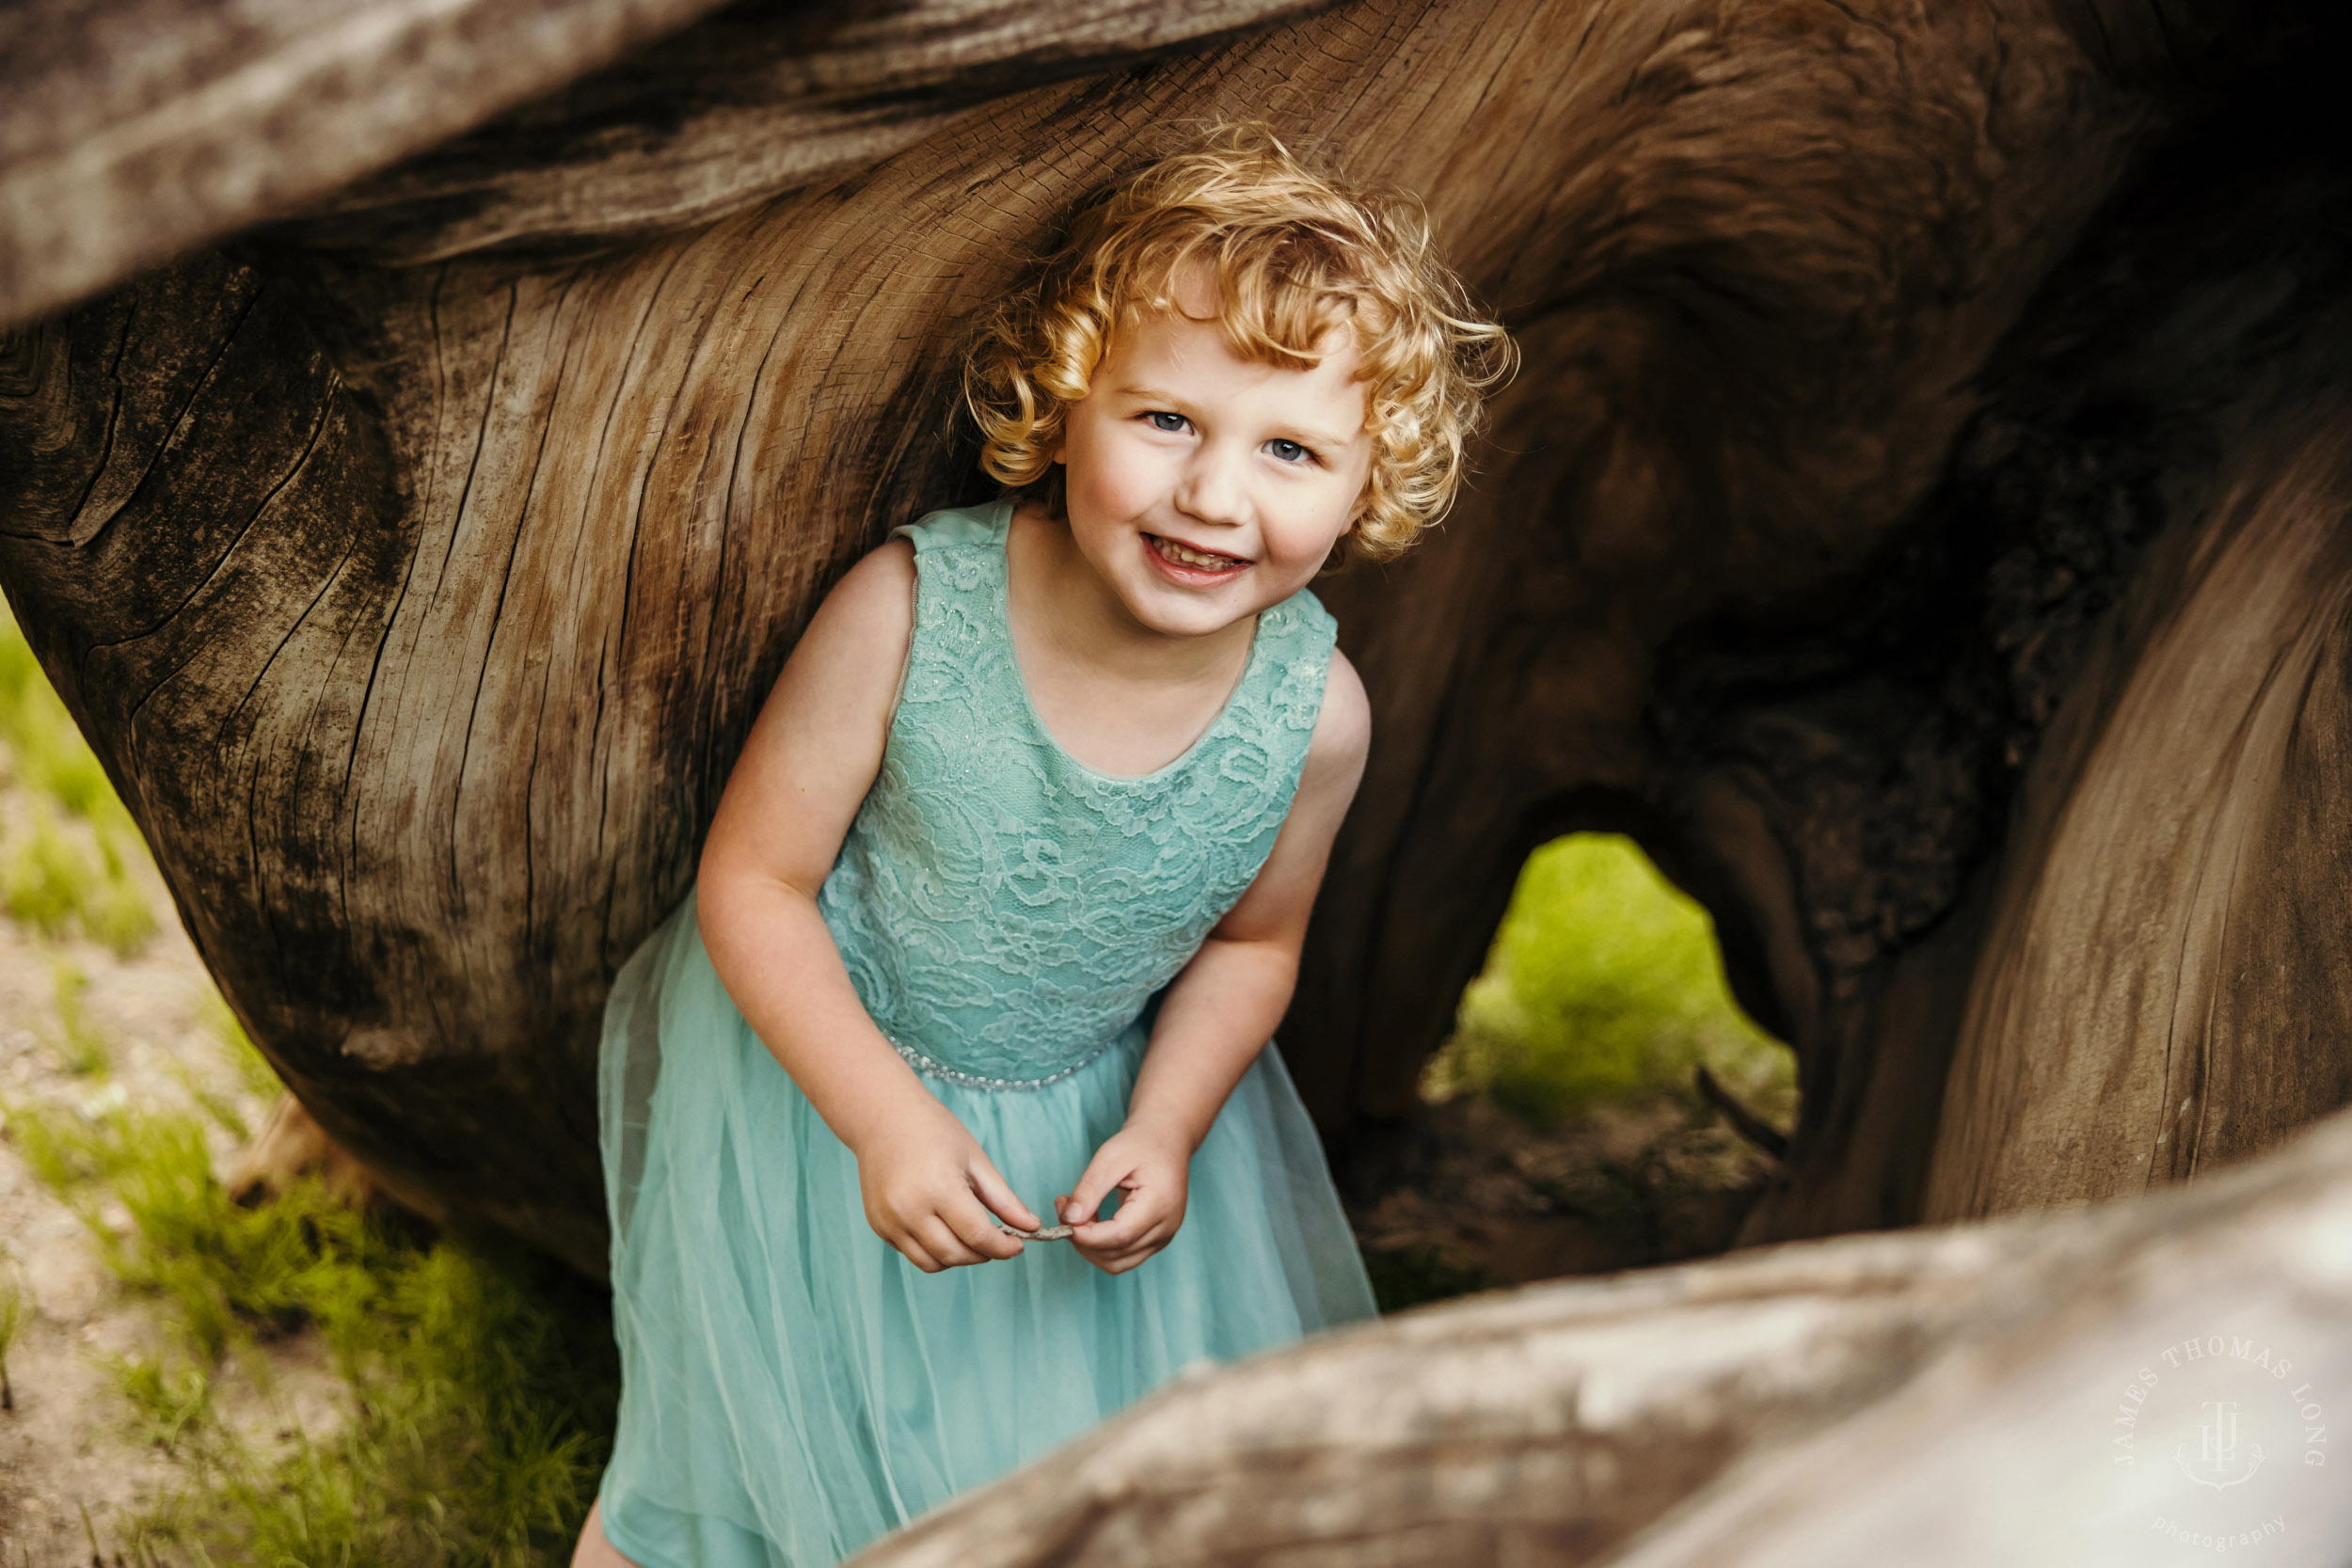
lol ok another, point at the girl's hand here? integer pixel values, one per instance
(1150, 1168)
(930, 1189)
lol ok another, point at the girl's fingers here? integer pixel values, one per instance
(894, 1237)
(1117, 1234)
(1000, 1198)
(1092, 1188)
(971, 1225)
(1119, 1260)
(942, 1243)
(1139, 1212)
(1139, 1216)
(913, 1252)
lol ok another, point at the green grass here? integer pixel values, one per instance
(15, 1312)
(48, 881)
(1604, 984)
(81, 1043)
(48, 750)
(477, 1387)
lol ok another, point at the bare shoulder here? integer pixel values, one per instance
(818, 742)
(1344, 730)
(873, 599)
(1335, 755)
(844, 671)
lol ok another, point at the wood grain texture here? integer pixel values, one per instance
(419, 611)
(749, 103)
(132, 131)
(2160, 478)
(1943, 1397)
(2012, 1447)
(2164, 989)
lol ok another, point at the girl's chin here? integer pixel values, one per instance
(1185, 613)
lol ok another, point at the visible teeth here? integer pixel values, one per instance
(1191, 557)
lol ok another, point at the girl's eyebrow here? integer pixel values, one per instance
(1308, 436)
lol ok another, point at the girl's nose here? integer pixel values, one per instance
(1211, 489)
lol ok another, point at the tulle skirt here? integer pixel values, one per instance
(793, 1387)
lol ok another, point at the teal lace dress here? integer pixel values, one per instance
(792, 1386)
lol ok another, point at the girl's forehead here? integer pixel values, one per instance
(1214, 340)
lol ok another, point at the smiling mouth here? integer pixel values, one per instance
(1186, 556)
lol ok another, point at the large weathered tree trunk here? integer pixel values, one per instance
(419, 609)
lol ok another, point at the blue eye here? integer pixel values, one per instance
(1162, 420)
(1289, 451)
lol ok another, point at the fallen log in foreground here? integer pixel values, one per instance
(2128, 1383)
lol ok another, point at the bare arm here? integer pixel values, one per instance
(1223, 1009)
(811, 756)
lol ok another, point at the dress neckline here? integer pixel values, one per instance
(1028, 703)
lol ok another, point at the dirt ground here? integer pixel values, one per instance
(1468, 1197)
(65, 1453)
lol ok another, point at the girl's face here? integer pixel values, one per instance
(1203, 488)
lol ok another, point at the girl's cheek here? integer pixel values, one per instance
(1115, 475)
(1090, 482)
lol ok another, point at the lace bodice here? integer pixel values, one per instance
(1006, 910)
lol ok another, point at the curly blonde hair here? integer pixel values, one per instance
(1293, 254)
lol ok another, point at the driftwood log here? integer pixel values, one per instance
(1920, 520)
(2012, 1392)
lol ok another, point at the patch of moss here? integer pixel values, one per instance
(1604, 984)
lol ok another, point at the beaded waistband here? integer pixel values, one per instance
(921, 1063)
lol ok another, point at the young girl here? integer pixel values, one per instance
(1007, 891)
